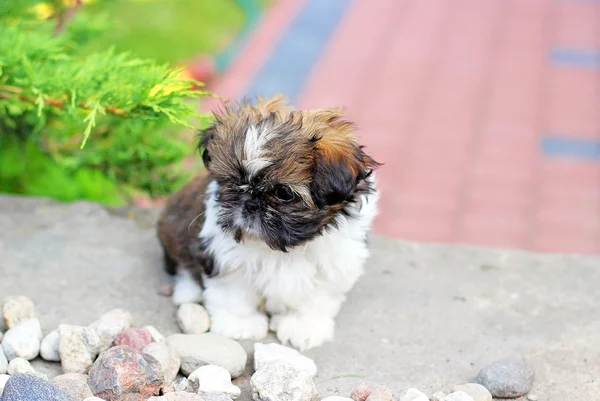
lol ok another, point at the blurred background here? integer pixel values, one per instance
(486, 113)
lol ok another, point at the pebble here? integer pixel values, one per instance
(3, 380)
(211, 378)
(361, 393)
(134, 337)
(49, 347)
(458, 396)
(507, 378)
(267, 353)
(74, 386)
(17, 310)
(336, 398)
(93, 399)
(212, 396)
(178, 396)
(412, 394)
(78, 347)
(180, 384)
(23, 340)
(198, 350)
(477, 391)
(384, 394)
(167, 358)
(156, 336)
(193, 318)
(438, 396)
(532, 397)
(166, 290)
(110, 325)
(278, 381)
(25, 387)
(19, 365)
(3, 362)
(123, 371)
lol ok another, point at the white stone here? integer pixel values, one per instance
(167, 358)
(3, 362)
(438, 396)
(93, 399)
(458, 396)
(412, 394)
(268, 353)
(211, 378)
(78, 347)
(193, 318)
(181, 384)
(3, 379)
(19, 365)
(279, 381)
(477, 391)
(49, 347)
(110, 325)
(17, 310)
(23, 340)
(336, 398)
(156, 336)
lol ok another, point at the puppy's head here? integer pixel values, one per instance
(284, 175)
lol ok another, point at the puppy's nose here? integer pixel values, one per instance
(251, 205)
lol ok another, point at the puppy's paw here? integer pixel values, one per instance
(303, 331)
(186, 289)
(244, 327)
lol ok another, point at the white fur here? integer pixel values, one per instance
(186, 289)
(254, 143)
(302, 290)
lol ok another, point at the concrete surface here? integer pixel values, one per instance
(425, 316)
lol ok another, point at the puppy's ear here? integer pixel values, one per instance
(205, 136)
(340, 164)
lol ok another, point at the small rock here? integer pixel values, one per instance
(277, 381)
(384, 394)
(123, 371)
(458, 396)
(110, 325)
(212, 396)
(267, 353)
(336, 398)
(166, 290)
(156, 336)
(167, 358)
(198, 350)
(23, 340)
(25, 387)
(438, 396)
(17, 310)
(19, 365)
(3, 380)
(93, 399)
(78, 347)
(193, 319)
(532, 397)
(412, 394)
(211, 378)
(134, 337)
(49, 347)
(477, 391)
(3, 362)
(74, 386)
(178, 396)
(507, 378)
(180, 384)
(361, 393)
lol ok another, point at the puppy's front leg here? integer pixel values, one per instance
(233, 307)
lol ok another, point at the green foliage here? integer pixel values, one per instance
(93, 127)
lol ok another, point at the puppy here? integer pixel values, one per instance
(277, 221)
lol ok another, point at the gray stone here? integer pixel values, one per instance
(23, 340)
(19, 365)
(475, 390)
(3, 362)
(181, 384)
(412, 394)
(438, 396)
(267, 353)
(213, 379)
(78, 347)
(49, 347)
(282, 382)
(198, 350)
(336, 398)
(3, 379)
(385, 394)
(458, 396)
(213, 396)
(111, 325)
(501, 312)
(168, 359)
(74, 386)
(93, 399)
(177, 396)
(193, 318)
(25, 387)
(507, 378)
(156, 335)
(17, 310)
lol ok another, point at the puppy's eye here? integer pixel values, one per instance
(284, 194)
(206, 158)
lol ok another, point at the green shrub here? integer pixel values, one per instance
(97, 127)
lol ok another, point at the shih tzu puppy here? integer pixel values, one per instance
(277, 222)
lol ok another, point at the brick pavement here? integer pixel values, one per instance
(486, 113)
